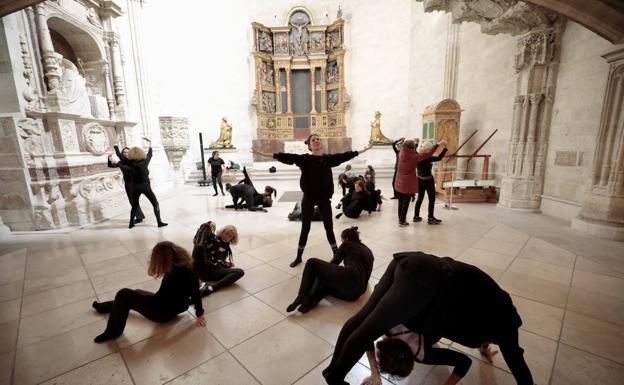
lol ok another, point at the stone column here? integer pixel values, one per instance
(313, 89)
(289, 96)
(451, 59)
(602, 214)
(323, 87)
(536, 64)
(51, 59)
(110, 97)
(175, 140)
(118, 77)
(278, 90)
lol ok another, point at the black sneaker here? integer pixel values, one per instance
(433, 221)
(417, 219)
(338, 216)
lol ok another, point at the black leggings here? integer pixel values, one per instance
(427, 185)
(321, 278)
(220, 275)
(141, 301)
(216, 178)
(417, 287)
(139, 213)
(307, 212)
(443, 356)
(137, 190)
(404, 202)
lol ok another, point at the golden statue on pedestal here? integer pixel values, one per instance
(225, 136)
(376, 136)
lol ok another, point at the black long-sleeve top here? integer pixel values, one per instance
(316, 176)
(424, 166)
(125, 171)
(178, 290)
(209, 248)
(138, 169)
(357, 256)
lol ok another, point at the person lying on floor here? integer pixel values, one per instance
(245, 192)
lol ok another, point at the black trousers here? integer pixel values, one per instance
(220, 276)
(146, 189)
(404, 202)
(425, 185)
(141, 301)
(307, 212)
(420, 287)
(216, 178)
(321, 278)
(139, 213)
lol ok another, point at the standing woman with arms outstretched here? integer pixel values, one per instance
(317, 185)
(138, 163)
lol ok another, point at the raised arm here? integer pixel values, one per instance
(437, 158)
(395, 145)
(337, 159)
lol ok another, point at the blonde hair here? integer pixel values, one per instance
(136, 153)
(166, 255)
(233, 230)
(425, 146)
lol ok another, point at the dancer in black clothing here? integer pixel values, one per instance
(245, 192)
(396, 147)
(439, 297)
(356, 201)
(346, 183)
(137, 166)
(427, 183)
(317, 186)
(401, 346)
(212, 257)
(178, 290)
(127, 177)
(348, 282)
(216, 170)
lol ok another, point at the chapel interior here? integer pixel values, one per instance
(528, 94)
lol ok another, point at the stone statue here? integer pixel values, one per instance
(267, 73)
(376, 136)
(332, 73)
(332, 101)
(225, 136)
(265, 43)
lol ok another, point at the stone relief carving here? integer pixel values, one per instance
(31, 131)
(74, 89)
(537, 47)
(93, 18)
(299, 22)
(95, 188)
(332, 101)
(281, 43)
(317, 42)
(265, 43)
(95, 138)
(332, 41)
(332, 72)
(267, 73)
(268, 102)
(68, 135)
(495, 16)
(30, 94)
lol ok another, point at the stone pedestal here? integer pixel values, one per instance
(175, 141)
(602, 214)
(380, 155)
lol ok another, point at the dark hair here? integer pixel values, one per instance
(395, 357)
(228, 186)
(125, 148)
(351, 234)
(307, 141)
(270, 190)
(361, 183)
(215, 152)
(166, 255)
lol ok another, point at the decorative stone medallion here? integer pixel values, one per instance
(95, 138)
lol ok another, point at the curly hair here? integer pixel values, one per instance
(232, 228)
(166, 255)
(395, 357)
(136, 153)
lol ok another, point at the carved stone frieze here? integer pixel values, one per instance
(536, 47)
(95, 138)
(30, 94)
(495, 16)
(31, 132)
(97, 187)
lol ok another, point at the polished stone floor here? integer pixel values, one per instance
(568, 288)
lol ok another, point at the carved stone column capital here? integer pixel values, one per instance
(536, 98)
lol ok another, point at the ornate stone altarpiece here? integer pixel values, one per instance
(300, 46)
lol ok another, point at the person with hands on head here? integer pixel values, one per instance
(179, 288)
(127, 175)
(317, 186)
(212, 257)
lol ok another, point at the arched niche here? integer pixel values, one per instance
(85, 46)
(296, 10)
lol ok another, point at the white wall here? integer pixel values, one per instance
(576, 111)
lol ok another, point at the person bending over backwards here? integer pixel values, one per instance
(355, 202)
(245, 191)
(212, 257)
(137, 166)
(439, 297)
(179, 289)
(348, 282)
(317, 185)
(127, 177)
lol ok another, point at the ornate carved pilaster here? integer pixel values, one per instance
(118, 78)
(602, 214)
(288, 93)
(313, 89)
(51, 59)
(536, 64)
(175, 140)
(451, 60)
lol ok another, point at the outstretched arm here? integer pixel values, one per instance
(375, 377)
(261, 153)
(396, 144)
